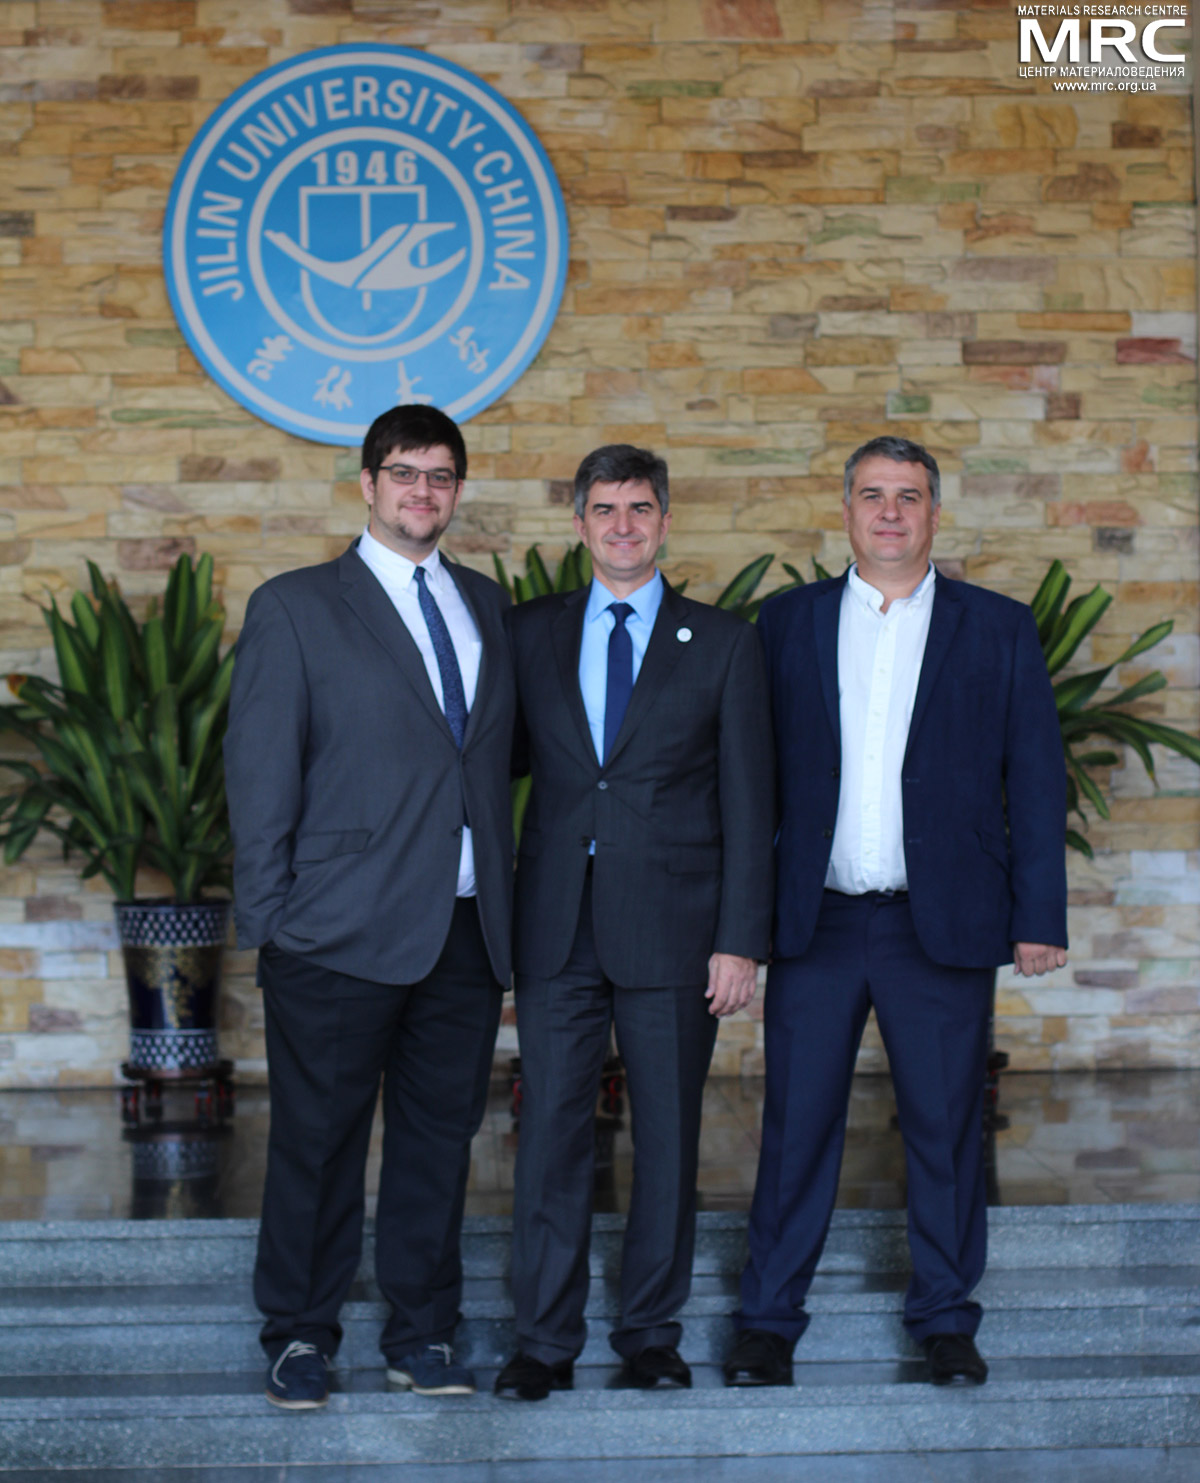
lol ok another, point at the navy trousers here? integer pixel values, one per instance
(933, 1020)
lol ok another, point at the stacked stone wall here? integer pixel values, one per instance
(794, 224)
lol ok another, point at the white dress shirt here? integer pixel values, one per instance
(598, 624)
(395, 574)
(879, 664)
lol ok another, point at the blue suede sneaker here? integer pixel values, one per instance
(297, 1380)
(432, 1370)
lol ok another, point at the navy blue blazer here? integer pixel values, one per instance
(984, 781)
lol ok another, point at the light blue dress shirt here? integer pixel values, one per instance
(598, 624)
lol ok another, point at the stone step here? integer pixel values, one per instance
(210, 1327)
(42, 1253)
(369, 1427)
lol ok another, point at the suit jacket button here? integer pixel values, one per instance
(826, 833)
(835, 772)
(602, 786)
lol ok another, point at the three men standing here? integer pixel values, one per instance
(367, 764)
(921, 844)
(643, 900)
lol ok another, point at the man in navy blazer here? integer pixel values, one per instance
(922, 797)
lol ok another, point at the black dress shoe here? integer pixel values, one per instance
(654, 1366)
(954, 1360)
(524, 1378)
(759, 1357)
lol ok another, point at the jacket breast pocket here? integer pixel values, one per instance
(328, 844)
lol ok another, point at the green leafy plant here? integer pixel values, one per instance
(1062, 628)
(129, 740)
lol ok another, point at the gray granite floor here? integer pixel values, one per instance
(1072, 1138)
(1118, 1465)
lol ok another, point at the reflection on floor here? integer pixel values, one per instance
(1071, 1139)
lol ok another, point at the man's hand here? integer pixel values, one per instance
(731, 983)
(1032, 959)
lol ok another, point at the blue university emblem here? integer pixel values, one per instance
(361, 226)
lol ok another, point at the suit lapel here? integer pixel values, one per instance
(566, 637)
(943, 623)
(662, 654)
(373, 606)
(826, 613)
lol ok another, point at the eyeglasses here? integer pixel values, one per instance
(400, 473)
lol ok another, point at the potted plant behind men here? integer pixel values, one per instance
(130, 775)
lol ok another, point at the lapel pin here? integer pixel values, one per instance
(683, 635)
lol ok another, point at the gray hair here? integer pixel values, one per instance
(621, 463)
(899, 450)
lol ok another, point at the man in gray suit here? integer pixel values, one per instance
(643, 899)
(367, 763)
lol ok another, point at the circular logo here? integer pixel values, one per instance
(362, 226)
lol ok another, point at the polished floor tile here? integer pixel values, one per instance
(1071, 1138)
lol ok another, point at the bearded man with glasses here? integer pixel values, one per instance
(367, 764)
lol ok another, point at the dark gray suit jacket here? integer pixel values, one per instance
(682, 811)
(346, 789)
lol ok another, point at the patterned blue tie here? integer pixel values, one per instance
(620, 674)
(454, 701)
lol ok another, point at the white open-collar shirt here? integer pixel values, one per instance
(395, 574)
(879, 664)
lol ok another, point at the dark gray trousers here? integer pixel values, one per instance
(330, 1040)
(665, 1037)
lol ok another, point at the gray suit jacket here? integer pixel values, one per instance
(682, 811)
(346, 790)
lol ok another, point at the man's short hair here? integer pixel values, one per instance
(621, 463)
(408, 428)
(899, 450)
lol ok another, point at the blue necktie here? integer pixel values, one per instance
(454, 701)
(620, 674)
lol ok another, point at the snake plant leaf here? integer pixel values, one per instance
(501, 574)
(204, 582)
(1127, 729)
(179, 605)
(1077, 841)
(1155, 733)
(522, 589)
(157, 656)
(200, 659)
(1048, 600)
(87, 624)
(797, 579)
(99, 585)
(164, 745)
(1147, 685)
(535, 571)
(1071, 694)
(741, 589)
(1148, 640)
(1074, 626)
(74, 668)
(114, 665)
(1098, 759)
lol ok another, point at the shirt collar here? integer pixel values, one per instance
(644, 602)
(398, 568)
(871, 597)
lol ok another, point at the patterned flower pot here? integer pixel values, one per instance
(173, 970)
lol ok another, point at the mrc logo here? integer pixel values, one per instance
(1112, 34)
(360, 226)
